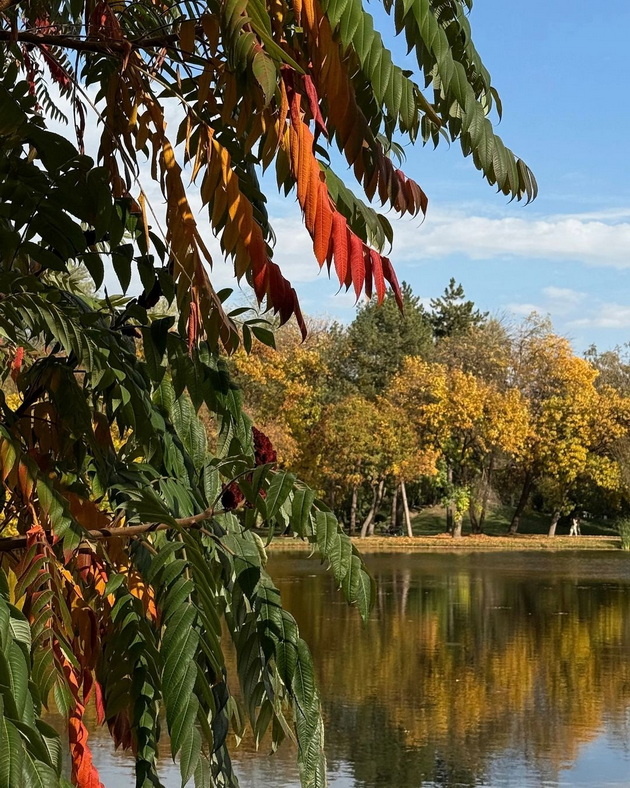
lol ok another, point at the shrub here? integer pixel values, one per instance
(623, 529)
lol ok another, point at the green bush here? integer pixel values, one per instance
(623, 529)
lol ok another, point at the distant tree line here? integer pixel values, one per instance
(444, 404)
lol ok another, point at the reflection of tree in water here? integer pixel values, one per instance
(461, 666)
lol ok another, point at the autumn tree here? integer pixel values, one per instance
(349, 454)
(365, 446)
(613, 367)
(484, 351)
(467, 420)
(128, 532)
(574, 426)
(285, 389)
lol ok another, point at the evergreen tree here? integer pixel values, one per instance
(451, 314)
(377, 341)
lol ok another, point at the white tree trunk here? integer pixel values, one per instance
(403, 493)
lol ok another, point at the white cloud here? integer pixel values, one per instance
(606, 315)
(562, 238)
(559, 302)
(525, 309)
(563, 296)
(609, 215)
(566, 304)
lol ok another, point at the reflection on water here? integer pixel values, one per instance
(480, 670)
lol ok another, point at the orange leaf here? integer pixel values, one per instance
(283, 111)
(357, 263)
(99, 703)
(25, 481)
(84, 773)
(16, 364)
(308, 10)
(294, 149)
(312, 195)
(303, 173)
(7, 459)
(323, 225)
(340, 245)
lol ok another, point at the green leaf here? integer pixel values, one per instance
(12, 760)
(266, 74)
(358, 587)
(328, 539)
(190, 430)
(121, 260)
(264, 335)
(278, 491)
(38, 775)
(301, 508)
(189, 755)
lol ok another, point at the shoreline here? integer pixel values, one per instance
(470, 543)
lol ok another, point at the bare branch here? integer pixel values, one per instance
(120, 46)
(121, 532)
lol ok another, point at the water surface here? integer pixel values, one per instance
(487, 669)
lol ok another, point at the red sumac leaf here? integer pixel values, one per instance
(313, 105)
(377, 274)
(367, 256)
(390, 276)
(323, 225)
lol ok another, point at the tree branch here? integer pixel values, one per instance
(104, 46)
(120, 532)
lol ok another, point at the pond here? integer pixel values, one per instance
(486, 669)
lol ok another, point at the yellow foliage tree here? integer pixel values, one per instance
(364, 441)
(284, 392)
(574, 426)
(469, 421)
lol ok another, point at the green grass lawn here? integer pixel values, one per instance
(432, 521)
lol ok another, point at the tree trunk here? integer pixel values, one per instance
(403, 495)
(458, 521)
(449, 508)
(522, 503)
(554, 522)
(370, 514)
(353, 509)
(377, 496)
(393, 526)
(379, 501)
(474, 522)
(486, 494)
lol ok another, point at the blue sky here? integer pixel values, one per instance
(563, 72)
